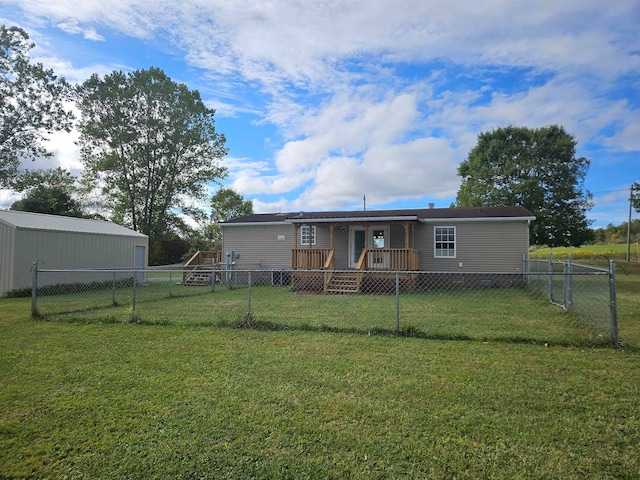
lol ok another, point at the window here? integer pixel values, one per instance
(444, 245)
(304, 235)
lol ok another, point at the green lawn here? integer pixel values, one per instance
(180, 396)
(500, 314)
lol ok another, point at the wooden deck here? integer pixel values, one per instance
(307, 263)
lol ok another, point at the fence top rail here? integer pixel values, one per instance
(573, 264)
(596, 272)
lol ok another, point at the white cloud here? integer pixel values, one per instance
(628, 139)
(283, 40)
(73, 27)
(7, 197)
(349, 123)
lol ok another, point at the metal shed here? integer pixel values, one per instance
(63, 243)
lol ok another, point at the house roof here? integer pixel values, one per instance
(423, 215)
(41, 221)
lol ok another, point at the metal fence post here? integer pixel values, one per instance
(170, 283)
(213, 276)
(568, 283)
(550, 278)
(113, 289)
(133, 299)
(34, 290)
(613, 309)
(249, 295)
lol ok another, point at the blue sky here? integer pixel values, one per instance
(323, 102)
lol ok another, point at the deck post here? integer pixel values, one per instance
(406, 235)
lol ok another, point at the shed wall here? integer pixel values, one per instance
(71, 250)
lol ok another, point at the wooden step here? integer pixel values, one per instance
(198, 279)
(343, 283)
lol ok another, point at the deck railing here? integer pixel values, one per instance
(311, 258)
(393, 259)
(200, 260)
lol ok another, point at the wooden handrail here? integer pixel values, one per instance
(200, 259)
(329, 262)
(362, 259)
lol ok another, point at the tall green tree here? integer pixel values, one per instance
(32, 104)
(150, 144)
(226, 204)
(635, 196)
(48, 191)
(534, 168)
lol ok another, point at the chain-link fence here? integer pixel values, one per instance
(69, 291)
(511, 306)
(585, 289)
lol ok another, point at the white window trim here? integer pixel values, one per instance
(303, 235)
(435, 243)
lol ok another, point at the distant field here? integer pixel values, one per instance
(611, 252)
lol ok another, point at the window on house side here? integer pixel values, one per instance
(444, 244)
(304, 235)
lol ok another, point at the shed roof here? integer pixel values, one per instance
(468, 213)
(58, 223)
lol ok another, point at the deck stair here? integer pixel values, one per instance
(198, 277)
(197, 270)
(344, 282)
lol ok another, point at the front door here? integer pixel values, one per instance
(378, 239)
(357, 243)
(139, 260)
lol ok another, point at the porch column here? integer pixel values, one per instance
(406, 235)
(295, 236)
(331, 227)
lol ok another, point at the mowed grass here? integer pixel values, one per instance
(182, 395)
(493, 314)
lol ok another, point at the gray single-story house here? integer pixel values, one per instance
(479, 239)
(58, 242)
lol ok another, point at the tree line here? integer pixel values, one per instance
(617, 233)
(150, 149)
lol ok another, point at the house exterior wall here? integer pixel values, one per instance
(481, 246)
(70, 250)
(260, 246)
